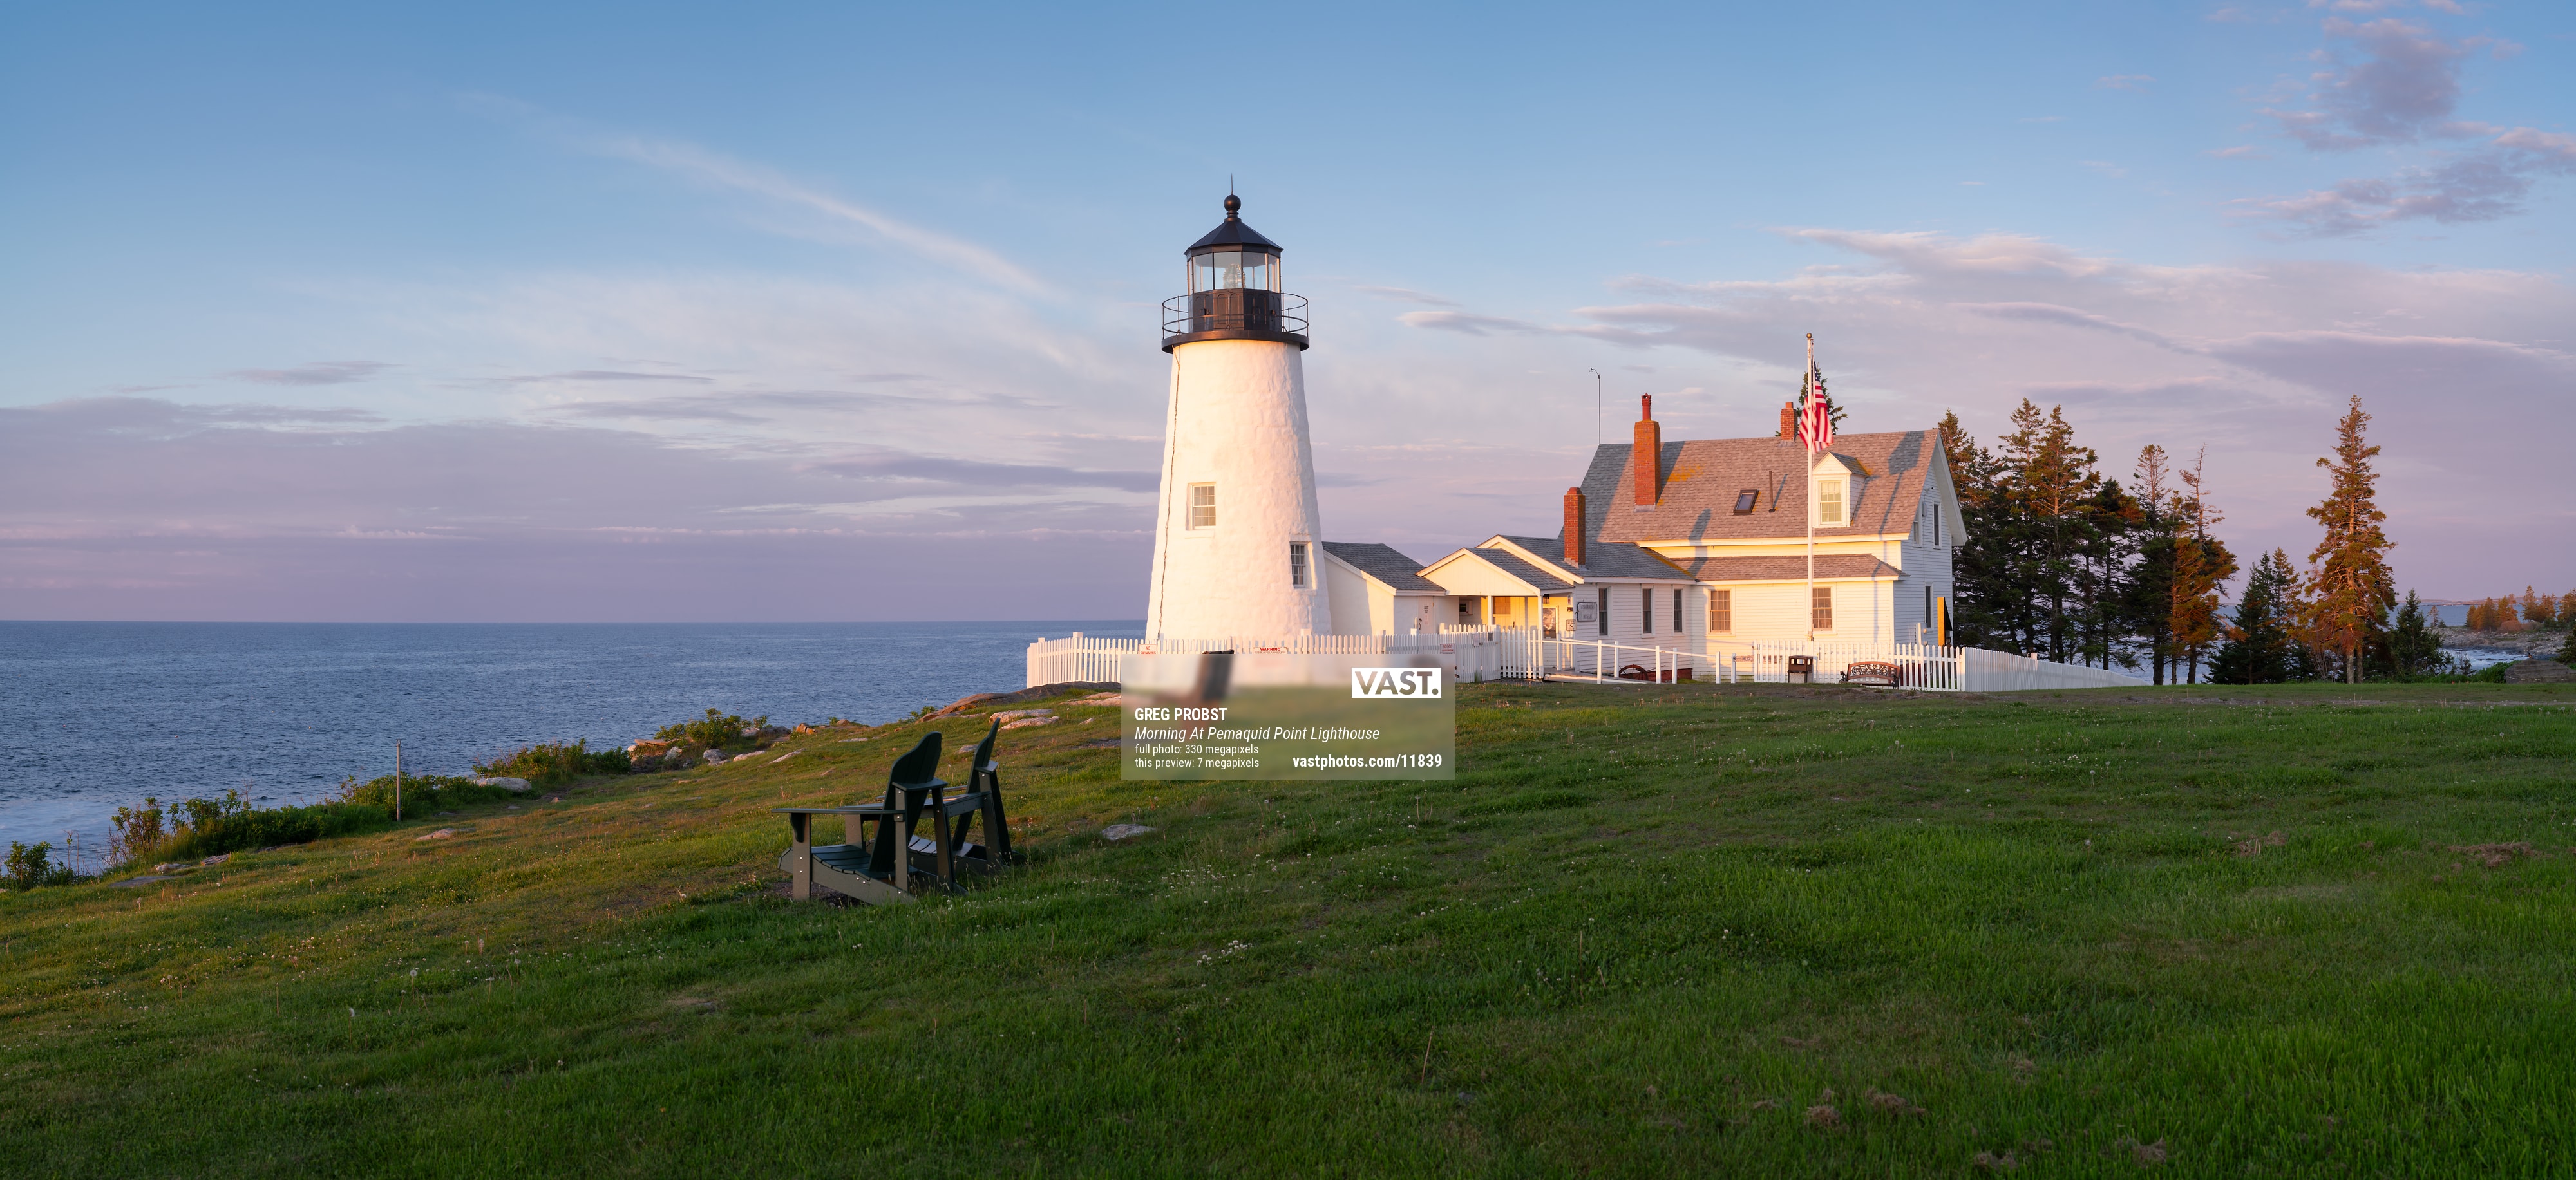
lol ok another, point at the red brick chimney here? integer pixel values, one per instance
(1789, 420)
(1648, 457)
(1573, 526)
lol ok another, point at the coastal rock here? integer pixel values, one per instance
(1123, 831)
(1025, 722)
(715, 756)
(515, 784)
(440, 834)
(215, 860)
(784, 757)
(168, 866)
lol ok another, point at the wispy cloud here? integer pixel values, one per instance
(313, 373)
(1407, 295)
(2392, 84)
(2124, 81)
(711, 167)
(2239, 152)
(597, 375)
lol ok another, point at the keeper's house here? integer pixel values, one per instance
(1694, 544)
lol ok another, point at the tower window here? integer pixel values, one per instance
(1829, 501)
(1202, 506)
(1822, 618)
(1721, 611)
(1297, 564)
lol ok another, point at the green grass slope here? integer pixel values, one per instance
(1649, 931)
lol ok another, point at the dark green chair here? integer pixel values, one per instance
(878, 870)
(982, 796)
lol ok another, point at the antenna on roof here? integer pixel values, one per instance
(1596, 406)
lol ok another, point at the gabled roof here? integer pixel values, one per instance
(1383, 563)
(1787, 569)
(1540, 578)
(1611, 560)
(1702, 478)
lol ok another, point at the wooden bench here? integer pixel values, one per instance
(1874, 673)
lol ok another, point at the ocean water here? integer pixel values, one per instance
(107, 713)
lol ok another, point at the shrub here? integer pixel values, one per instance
(714, 731)
(548, 764)
(29, 866)
(138, 832)
(234, 831)
(421, 794)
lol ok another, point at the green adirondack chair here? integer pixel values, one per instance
(982, 796)
(878, 870)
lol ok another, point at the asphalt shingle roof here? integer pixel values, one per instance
(1383, 563)
(1702, 478)
(1612, 560)
(1511, 563)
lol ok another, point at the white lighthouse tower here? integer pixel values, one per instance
(1235, 539)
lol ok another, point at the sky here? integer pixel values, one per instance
(574, 312)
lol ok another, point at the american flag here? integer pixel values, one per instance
(1815, 413)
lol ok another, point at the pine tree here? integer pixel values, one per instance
(2151, 580)
(2048, 480)
(2413, 648)
(2201, 566)
(2261, 646)
(1983, 607)
(2351, 592)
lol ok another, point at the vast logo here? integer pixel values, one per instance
(1412, 683)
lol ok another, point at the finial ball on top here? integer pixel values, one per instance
(1233, 205)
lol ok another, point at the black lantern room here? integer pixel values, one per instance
(1234, 294)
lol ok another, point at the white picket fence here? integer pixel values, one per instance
(1526, 653)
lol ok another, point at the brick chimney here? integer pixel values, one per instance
(1648, 457)
(1573, 526)
(1789, 420)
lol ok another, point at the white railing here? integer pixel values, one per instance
(1526, 653)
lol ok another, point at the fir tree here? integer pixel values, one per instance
(2261, 646)
(2351, 591)
(2201, 566)
(2413, 648)
(2151, 580)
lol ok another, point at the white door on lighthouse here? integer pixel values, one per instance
(1237, 533)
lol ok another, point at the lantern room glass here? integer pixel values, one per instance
(1234, 270)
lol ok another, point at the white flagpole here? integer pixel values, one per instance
(1806, 436)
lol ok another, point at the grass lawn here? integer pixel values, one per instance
(1672, 930)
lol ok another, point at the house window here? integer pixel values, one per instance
(1936, 526)
(1605, 610)
(1927, 604)
(1744, 501)
(1823, 616)
(1677, 610)
(1721, 611)
(1297, 564)
(1202, 506)
(1829, 501)
(1646, 617)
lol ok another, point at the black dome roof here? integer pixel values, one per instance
(1232, 233)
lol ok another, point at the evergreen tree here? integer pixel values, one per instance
(2151, 579)
(2202, 566)
(2351, 592)
(2048, 483)
(1983, 611)
(2413, 648)
(2261, 646)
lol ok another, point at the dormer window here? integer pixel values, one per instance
(1829, 502)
